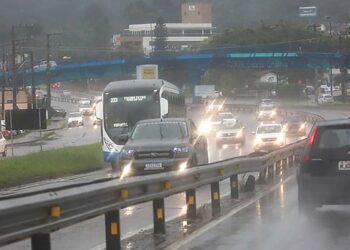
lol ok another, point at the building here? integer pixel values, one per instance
(196, 11)
(194, 30)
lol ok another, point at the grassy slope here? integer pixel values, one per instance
(50, 164)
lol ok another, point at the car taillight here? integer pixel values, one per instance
(312, 136)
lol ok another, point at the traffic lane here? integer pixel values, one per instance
(139, 217)
(68, 107)
(75, 136)
(274, 222)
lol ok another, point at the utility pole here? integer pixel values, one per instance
(48, 66)
(14, 69)
(48, 75)
(3, 86)
(32, 75)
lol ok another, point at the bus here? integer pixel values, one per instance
(124, 103)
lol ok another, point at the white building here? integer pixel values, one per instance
(181, 36)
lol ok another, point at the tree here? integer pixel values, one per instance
(161, 35)
(99, 29)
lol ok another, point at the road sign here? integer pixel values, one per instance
(149, 71)
(310, 11)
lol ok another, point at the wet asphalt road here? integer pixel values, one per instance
(90, 233)
(274, 222)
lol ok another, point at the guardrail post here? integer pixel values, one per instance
(41, 242)
(278, 167)
(262, 176)
(234, 186)
(112, 223)
(191, 204)
(215, 198)
(270, 171)
(158, 216)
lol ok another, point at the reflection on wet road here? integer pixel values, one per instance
(273, 222)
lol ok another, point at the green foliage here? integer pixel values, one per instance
(50, 164)
(280, 32)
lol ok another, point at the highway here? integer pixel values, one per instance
(90, 234)
(88, 134)
(273, 222)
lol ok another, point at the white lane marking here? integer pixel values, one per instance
(214, 223)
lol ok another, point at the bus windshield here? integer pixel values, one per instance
(121, 113)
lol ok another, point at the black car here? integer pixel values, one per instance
(324, 173)
(160, 145)
(58, 112)
(294, 125)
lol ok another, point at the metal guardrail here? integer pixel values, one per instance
(36, 216)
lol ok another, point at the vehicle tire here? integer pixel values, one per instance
(306, 205)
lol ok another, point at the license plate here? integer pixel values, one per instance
(344, 165)
(153, 166)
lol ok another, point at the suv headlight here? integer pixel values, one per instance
(128, 153)
(280, 139)
(181, 150)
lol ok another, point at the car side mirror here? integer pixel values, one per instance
(123, 139)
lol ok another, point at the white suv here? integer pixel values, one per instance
(3, 149)
(269, 137)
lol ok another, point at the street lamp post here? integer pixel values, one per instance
(329, 18)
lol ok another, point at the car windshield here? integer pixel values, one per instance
(231, 125)
(269, 129)
(163, 130)
(226, 116)
(265, 108)
(74, 115)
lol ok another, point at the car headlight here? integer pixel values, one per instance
(128, 153)
(181, 150)
(204, 128)
(239, 133)
(257, 140)
(302, 126)
(280, 139)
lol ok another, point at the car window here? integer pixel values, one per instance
(75, 115)
(164, 130)
(334, 138)
(269, 129)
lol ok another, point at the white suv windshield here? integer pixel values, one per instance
(269, 129)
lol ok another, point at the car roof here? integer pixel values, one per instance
(159, 120)
(335, 122)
